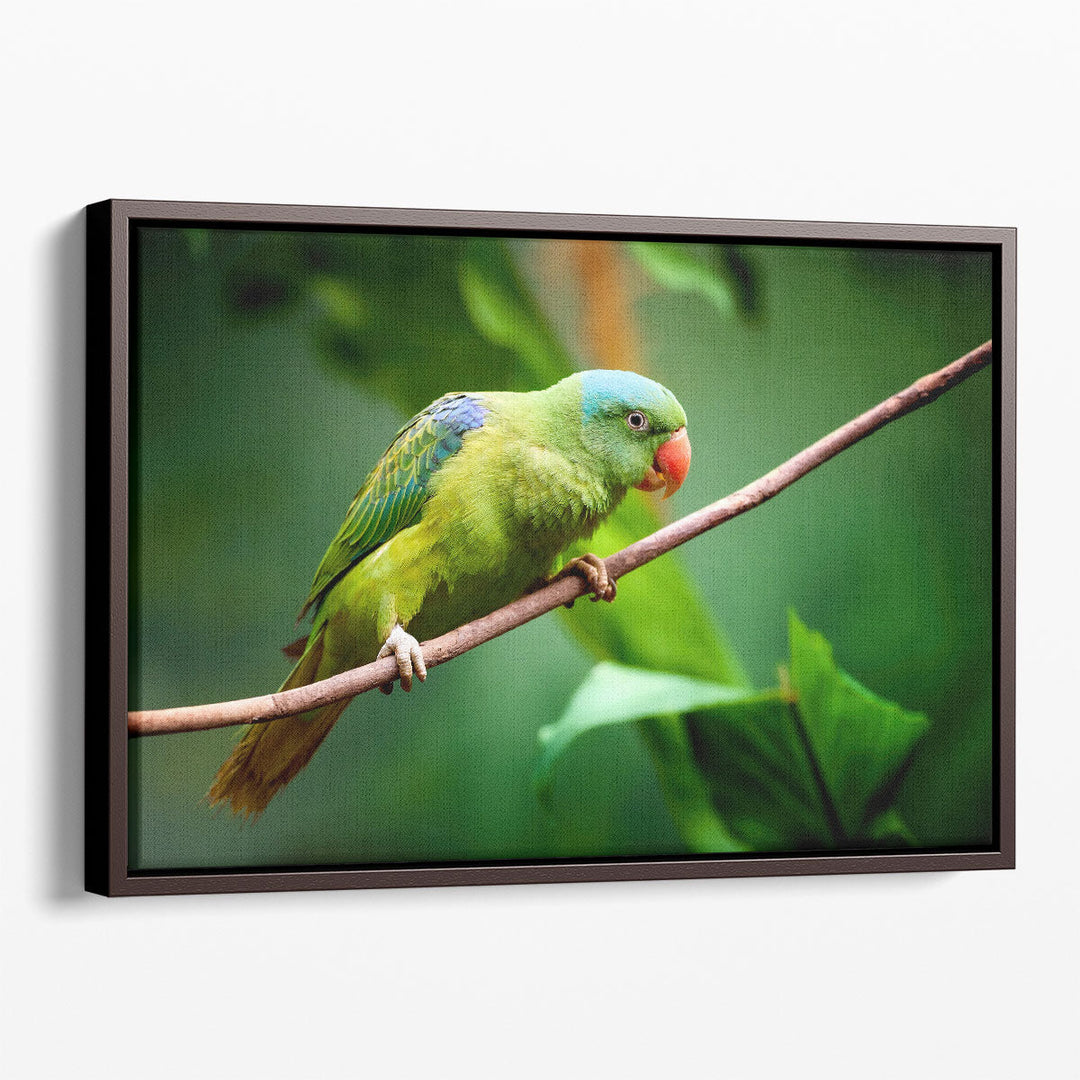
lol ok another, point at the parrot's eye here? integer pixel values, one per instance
(638, 421)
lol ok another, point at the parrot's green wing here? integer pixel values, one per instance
(393, 495)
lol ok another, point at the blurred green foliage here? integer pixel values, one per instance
(272, 370)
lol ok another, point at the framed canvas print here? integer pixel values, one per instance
(334, 451)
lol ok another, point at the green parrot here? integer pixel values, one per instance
(468, 508)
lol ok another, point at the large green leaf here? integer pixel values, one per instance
(813, 767)
(760, 779)
(617, 694)
(860, 741)
(744, 755)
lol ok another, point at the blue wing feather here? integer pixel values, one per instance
(397, 488)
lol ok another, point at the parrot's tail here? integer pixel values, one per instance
(269, 755)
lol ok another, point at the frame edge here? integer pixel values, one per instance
(1006, 644)
(98, 405)
(107, 312)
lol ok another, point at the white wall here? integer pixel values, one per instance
(913, 112)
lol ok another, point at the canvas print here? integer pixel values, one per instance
(345, 443)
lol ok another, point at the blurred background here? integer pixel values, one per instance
(273, 368)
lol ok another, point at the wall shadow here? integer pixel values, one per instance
(63, 592)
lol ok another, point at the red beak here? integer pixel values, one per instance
(670, 465)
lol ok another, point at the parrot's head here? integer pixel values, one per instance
(636, 428)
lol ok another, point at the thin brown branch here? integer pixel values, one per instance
(439, 650)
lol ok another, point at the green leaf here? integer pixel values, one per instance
(889, 830)
(814, 768)
(684, 789)
(615, 694)
(760, 780)
(678, 267)
(339, 303)
(505, 313)
(860, 742)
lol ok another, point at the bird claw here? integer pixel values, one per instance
(410, 658)
(594, 570)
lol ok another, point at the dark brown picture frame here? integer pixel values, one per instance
(109, 264)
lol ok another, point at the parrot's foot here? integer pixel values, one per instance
(594, 570)
(410, 659)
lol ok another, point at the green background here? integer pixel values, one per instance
(271, 370)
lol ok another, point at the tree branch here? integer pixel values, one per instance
(562, 591)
